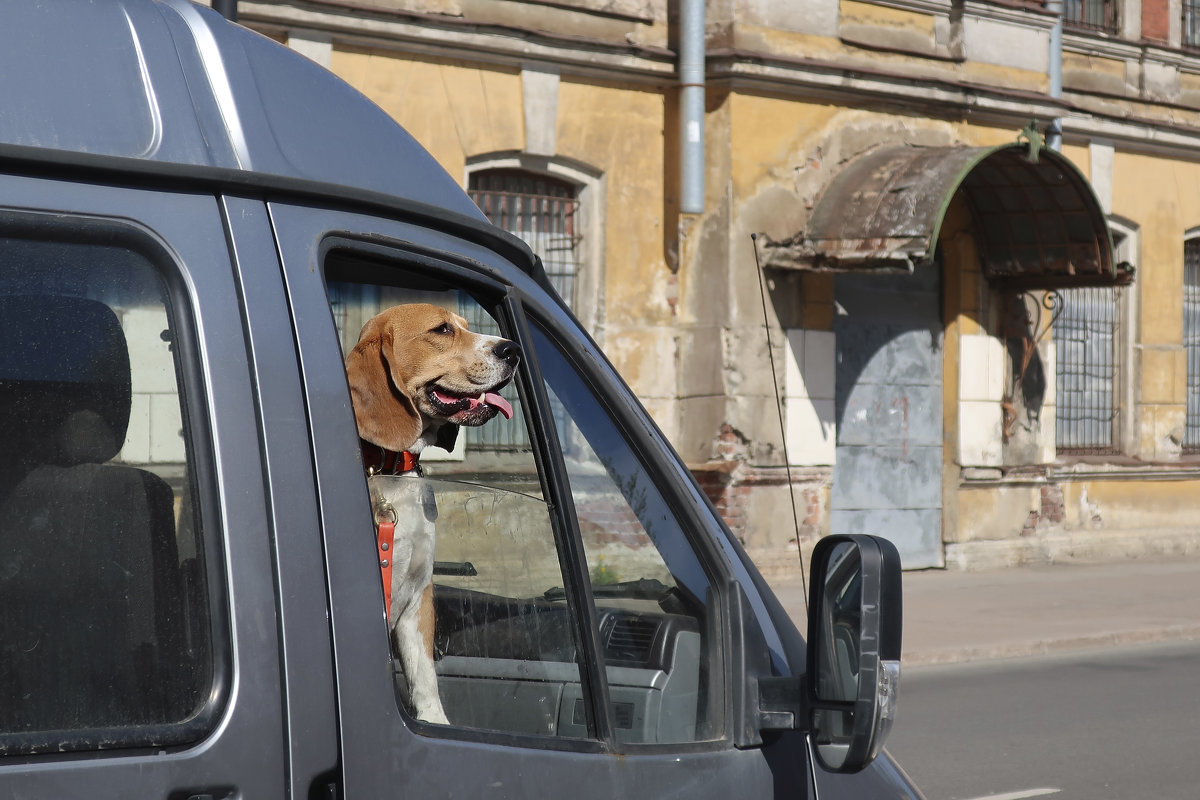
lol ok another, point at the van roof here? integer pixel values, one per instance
(168, 87)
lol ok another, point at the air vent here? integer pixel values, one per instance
(631, 640)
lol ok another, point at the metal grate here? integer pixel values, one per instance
(1191, 342)
(1191, 23)
(1092, 15)
(540, 210)
(1085, 339)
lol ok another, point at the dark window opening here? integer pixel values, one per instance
(1091, 15)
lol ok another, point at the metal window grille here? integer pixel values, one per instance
(1093, 15)
(541, 210)
(1085, 339)
(1191, 23)
(1191, 342)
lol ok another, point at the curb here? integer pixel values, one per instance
(1045, 647)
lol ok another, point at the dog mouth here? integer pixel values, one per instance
(468, 409)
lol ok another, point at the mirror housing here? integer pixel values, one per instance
(853, 669)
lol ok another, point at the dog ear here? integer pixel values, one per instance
(447, 436)
(385, 415)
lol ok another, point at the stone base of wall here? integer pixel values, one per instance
(1081, 547)
(754, 503)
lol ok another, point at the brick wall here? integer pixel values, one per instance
(1156, 20)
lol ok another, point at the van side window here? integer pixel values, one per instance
(507, 646)
(104, 617)
(650, 591)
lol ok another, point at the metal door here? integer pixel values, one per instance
(887, 479)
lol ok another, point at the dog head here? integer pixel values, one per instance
(417, 367)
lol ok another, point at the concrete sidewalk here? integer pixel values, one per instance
(954, 617)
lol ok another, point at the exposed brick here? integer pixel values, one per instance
(1052, 504)
(1156, 20)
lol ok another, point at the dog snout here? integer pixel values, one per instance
(508, 352)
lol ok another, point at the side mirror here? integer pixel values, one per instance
(854, 622)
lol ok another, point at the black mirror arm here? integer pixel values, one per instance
(762, 700)
(783, 703)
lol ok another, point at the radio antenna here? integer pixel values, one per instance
(787, 460)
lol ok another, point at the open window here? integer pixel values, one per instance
(564, 587)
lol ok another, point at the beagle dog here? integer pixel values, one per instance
(415, 375)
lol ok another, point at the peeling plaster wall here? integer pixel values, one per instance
(682, 316)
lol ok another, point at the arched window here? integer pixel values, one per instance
(540, 209)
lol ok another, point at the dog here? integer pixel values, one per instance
(415, 375)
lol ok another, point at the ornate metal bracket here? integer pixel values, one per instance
(1026, 329)
(1031, 135)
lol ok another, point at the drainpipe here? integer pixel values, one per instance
(691, 106)
(1054, 130)
(226, 8)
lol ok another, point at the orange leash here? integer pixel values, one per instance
(385, 538)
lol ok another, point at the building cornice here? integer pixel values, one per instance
(444, 37)
(447, 37)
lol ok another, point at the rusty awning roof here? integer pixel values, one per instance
(1037, 222)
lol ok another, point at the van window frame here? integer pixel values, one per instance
(179, 308)
(393, 265)
(513, 310)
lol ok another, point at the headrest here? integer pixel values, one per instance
(64, 377)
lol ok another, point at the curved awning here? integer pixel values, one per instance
(1037, 222)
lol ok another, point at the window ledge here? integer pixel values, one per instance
(1079, 468)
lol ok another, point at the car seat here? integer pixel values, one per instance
(91, 594)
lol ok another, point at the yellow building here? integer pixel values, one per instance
(947, 357)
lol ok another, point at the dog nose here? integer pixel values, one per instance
(507, 351)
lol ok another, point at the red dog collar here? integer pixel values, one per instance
(377, 459)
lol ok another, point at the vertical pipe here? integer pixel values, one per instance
(226, 8)
(1054, 130)
(691, 106)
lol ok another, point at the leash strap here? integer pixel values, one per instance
(385, 538)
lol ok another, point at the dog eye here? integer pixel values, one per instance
(442, 329)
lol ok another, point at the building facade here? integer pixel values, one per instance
(889, 310)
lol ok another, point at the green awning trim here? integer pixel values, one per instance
(1037, 222)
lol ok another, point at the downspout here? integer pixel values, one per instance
(1054, 129)
(691, 106)
(226, 8)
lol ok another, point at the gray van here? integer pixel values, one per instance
(195, 223)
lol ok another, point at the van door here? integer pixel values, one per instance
(581, 637)
(139, 636)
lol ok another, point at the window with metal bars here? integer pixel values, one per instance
(1191, 342)
(1085, 340)
(1091, 15)
(543, 212)
(539, 209)
(1191, 23)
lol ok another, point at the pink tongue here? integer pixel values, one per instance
(493, 399)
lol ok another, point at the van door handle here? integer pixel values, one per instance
(207, 793)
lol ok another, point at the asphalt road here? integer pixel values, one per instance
(1122, 723)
